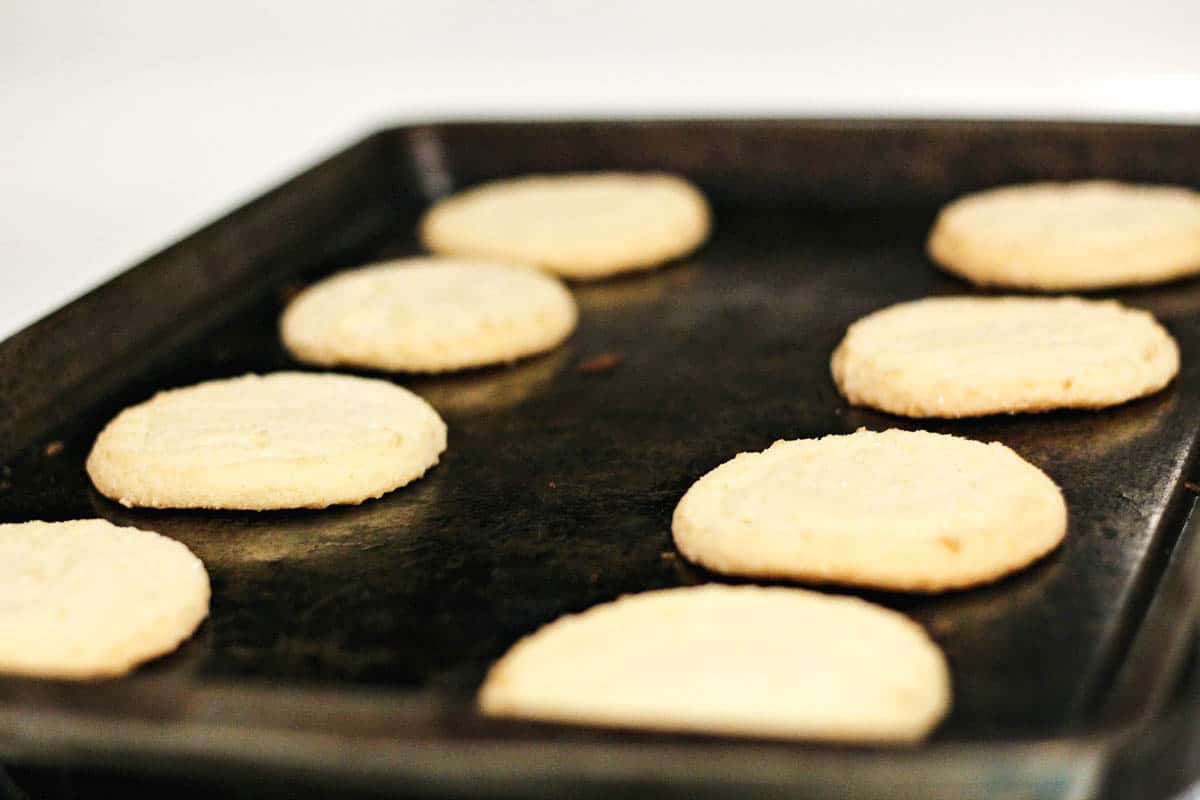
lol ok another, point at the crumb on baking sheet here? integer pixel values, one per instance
(601, 363)
(54, 448)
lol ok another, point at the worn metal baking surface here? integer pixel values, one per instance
(351, 640)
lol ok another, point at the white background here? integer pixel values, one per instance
(125, 124)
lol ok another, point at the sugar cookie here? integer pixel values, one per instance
(898, 510)
(87, 599)
(969, 356)
(582, 226)
(428, 315)
(1062, 236)
(739, 660)
(284, 440)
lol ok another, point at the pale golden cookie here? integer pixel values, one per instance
(899, 510)
(1062, 236)
(739, 660)
(284, 440)
(428, 315)
(970, 356)
(582, 226)
(86, 599)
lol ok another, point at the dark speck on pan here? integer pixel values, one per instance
(601, 363)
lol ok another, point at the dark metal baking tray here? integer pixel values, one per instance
(345, 645)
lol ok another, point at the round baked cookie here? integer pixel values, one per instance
(971, 356)
(284, 440)
(740, 660)
(582, 226)
(87, 599)
(1061, 236)
(428, 315)
(898, 510)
